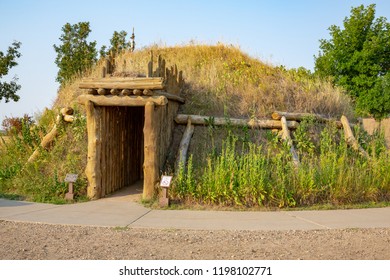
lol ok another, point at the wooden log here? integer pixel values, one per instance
(277, 115)
(115, 100)
(150, 65)
(123, 82)
(92, 91)
(126, 92)
(49, 138)
(163, 69)
(151, 170)
(170, 96)
(115, 91)
(137, 92)
(147, 92)
(265, 123)
(286, 137)
(103, 164)
(102, 91)
(67, 111)
(93, 169)
(104, 72)
(68, 118)
(181, 158)
(133, 80)
(46, 141)
(156, 73)
(115, 151)
(180, 79)
(108, 146)
(350, 138)
(108, 65)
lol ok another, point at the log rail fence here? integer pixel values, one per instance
(282, 121)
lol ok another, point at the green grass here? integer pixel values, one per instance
(43, 179)
(244, 174)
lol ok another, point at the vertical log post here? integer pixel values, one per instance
(151, 171)
(93, 169)
(286, 137)
(150, 65)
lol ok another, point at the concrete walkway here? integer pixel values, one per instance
(121, 210)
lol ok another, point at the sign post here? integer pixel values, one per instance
(70, 179)
(165, 183)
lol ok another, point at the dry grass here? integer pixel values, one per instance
(222, 80)
(4, 140)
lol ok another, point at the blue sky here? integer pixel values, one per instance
(278, 32)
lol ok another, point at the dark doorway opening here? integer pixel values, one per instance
(122, 147)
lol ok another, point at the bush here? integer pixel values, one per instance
(14, 125)
(42, 180)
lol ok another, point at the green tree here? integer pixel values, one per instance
(358, 59)
(7, 61)
(118, 44)
(75, 54)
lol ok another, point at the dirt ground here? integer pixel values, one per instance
(46, 242)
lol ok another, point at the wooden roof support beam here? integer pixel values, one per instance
(93, 169)
(114, 100)
(121, 83)
(151, 170)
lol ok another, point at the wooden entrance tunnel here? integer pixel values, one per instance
(130, 123)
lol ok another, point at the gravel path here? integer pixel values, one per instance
(21, 240)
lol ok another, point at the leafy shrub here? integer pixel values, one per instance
(42, 180)
(14, 125)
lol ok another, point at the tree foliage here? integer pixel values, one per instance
(118, 44)
(7, 61)
(75, 54)
(358, 59)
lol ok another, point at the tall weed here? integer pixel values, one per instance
(264, 175)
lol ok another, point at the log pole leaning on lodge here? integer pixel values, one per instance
(181, 158)
(350, 139)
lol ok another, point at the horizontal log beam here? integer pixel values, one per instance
(264, 123)
(277, 115)
(170, 96)
(114, 100)
(122, 83)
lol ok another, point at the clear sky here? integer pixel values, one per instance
(276, 31)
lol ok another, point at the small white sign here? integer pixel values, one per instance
(165, 181)
(71, 178)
